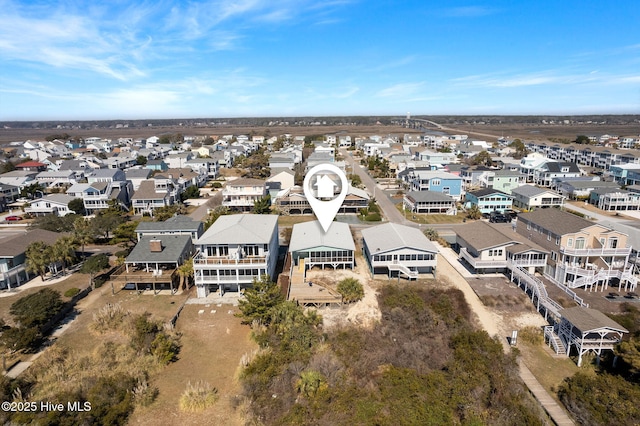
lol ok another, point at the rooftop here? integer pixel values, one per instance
(309, 235)
(391, 236)
(586, 319)
(241, 229)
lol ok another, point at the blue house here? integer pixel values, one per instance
(436, 181)
(489, 200)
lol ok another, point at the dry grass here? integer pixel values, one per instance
(432, 218)
(292, 220)
(550, 370)
(198, 397)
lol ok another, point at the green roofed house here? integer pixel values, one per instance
(311, 246)
(398, 250)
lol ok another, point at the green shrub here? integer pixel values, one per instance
(122, 253)
(373, 217)
(216, 185)
(71, 292)
(351, 290)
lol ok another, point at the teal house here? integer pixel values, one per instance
(489, 200)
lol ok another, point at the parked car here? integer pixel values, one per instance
(499, 218)
(12, 218)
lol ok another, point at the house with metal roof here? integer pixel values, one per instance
(530, 197)
(57, 204)
(234, 251)
(612, 199)
(429, 202)
(311, 246)
(398, 250)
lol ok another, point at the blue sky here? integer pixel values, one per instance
(170, 59)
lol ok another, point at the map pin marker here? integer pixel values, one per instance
(323, 201)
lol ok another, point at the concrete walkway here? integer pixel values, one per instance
(446, 268)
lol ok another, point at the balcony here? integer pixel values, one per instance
(481, 264)
(596, 251)
(201, 260)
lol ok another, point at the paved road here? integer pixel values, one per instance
(388, 208)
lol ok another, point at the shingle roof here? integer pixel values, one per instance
(556, 167)
(172, 247)
(246, 182)
(555, 220)
(241, 229)
(13, 246)
(483, 235)
(587, 319)
(529, 190)
(391, 236)
(175, 223)
(147, 191)
(310, 235)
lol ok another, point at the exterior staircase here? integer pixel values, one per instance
(412, 275)
(554, 340)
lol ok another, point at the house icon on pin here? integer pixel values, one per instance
(325, 187)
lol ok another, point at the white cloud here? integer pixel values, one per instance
(403, 89)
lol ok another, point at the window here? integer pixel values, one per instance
(435, 182)
(557, 241)
(613, 242)
(548, 236)
(580, 243)
(570, 242)
(528, 226)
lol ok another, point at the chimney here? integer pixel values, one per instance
(155, 246)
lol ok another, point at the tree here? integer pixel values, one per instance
(125, 233)
(483, 158)
(36, 309)
(351, 290)
(474, 212)
(214, 215)
(55, 223)
(163, 213)
(258, 301)
(7, 167)
(185, 271)
(30, 191)
(64, 251)
(582, 140)
(93, 265)
(521, 150)
(105, 222)
(191, 192)
(82, 233)
(77, 205)
(431, 234)
(262, 206)
(141, 159)
(38, 257)
(355, 179)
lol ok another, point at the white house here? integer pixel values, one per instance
(234, 251)
(398, 250)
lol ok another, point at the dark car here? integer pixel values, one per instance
(12, 218)
(499, 218)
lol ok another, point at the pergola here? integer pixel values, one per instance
(588, 330)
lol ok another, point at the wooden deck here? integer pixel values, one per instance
(121, 275)
(309, 295)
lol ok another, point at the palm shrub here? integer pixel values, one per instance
(351, 290)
